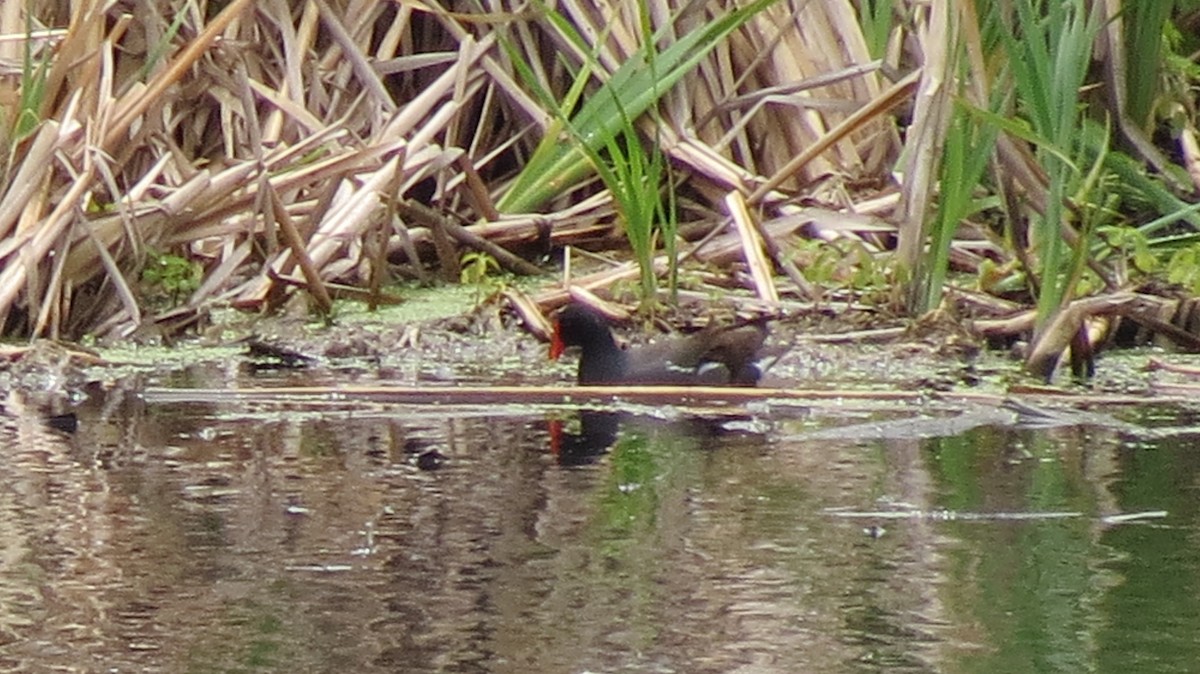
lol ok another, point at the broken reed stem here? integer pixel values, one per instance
(435, 220)
(881, 104)
(316, 287)
(477, 190)
(752, 247)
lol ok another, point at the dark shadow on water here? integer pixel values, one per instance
(598, 430)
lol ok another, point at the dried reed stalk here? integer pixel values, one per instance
(200, 135)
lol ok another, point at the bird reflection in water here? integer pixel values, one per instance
(597, 432)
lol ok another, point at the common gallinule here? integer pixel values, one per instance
(714, 356)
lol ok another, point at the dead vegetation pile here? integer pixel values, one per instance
(288, 146)
(242, 153)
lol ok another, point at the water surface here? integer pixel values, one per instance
(202, 537)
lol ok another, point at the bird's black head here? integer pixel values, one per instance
(578, 325)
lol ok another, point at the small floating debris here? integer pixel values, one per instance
(752, 425)
(1133, 517)
(321, 568)
(430, 460)
(948, 515)
(143, 646)
(266, 356)
(209, 492)
(874, 531)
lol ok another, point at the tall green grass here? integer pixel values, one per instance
(633, 88)
(875, 17)
(965, 158)
(34, 72)
(1049, 49)
(604, 137)
(636, 174)
(1144, 22)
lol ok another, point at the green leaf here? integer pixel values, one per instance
(635, 86)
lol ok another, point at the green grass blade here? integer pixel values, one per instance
(33, 85)
(631, 90)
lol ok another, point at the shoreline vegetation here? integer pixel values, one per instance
(1027, 168)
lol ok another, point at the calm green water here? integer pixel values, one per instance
(353, 538)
